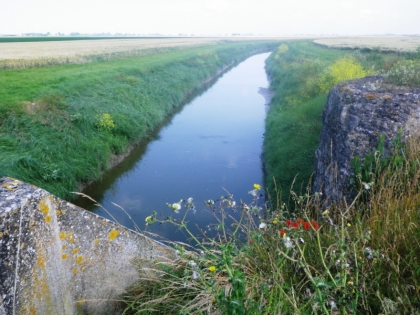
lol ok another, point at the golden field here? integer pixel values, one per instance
(34, 54)
(384, 43)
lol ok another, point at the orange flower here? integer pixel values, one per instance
(315, 225)
(282, 233)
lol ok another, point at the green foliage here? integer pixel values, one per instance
(404, 72)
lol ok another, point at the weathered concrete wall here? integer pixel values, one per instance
(56, 258)
(355, 116)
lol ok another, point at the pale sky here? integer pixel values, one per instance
(211, 17)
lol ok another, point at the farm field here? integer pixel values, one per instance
(17, 55)
(383, 43)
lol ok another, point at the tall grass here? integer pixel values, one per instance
(52, 132)
(363, 258)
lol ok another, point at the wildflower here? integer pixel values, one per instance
(275, 220)
(288, 242)
(288, 223)
(332, 305)
(314, 225)
(176, 207)
(282, 233)
(262, 225)
(195, 275)
(212, 268)
(254, 192)
(209, 202)
(368, 253)
(325, 213)
(306, 225)
(257, 187)
(192, 263)
(189, 200)
(148, 219)
(366, 185)
(349, 224)
(300, 221)
(295, 225)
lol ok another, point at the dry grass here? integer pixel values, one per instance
(384, 43)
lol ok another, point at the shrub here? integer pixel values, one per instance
(405, 72)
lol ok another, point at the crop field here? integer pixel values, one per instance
(382, 43)
(17, 55)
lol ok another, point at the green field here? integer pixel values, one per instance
(61, 125)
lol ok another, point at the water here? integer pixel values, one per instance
(213, 145)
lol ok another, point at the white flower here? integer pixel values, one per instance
(195, 275)
(176, 207)
(262, 225)
(189, 200)
(288, 242)
(209, 202)
(254, 192)
(366, 185)
(192, 263)
(332, 305)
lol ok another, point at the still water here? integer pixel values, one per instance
(210, 147)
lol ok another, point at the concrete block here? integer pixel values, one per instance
(56, 258)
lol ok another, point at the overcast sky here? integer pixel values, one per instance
(211, 17)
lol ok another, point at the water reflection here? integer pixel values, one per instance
(211, 146)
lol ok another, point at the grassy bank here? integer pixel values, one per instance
(61, 125)
(301, 75)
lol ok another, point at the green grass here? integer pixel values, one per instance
(301, 77)
(50, 132)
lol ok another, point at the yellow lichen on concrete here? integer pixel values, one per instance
(43, 207)
(75, 251)
(113, 234)
(79, 259)
(48, 218)
(96, 241)
(64, 256)
(371, 96)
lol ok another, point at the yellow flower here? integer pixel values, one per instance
(212, 268)
(275, 220)
(148, 219)
(113, 234)
(257, 186)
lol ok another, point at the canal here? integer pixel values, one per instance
(210, 148)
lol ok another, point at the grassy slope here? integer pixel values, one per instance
(294, 121)
(292, 130)
(57, 143)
